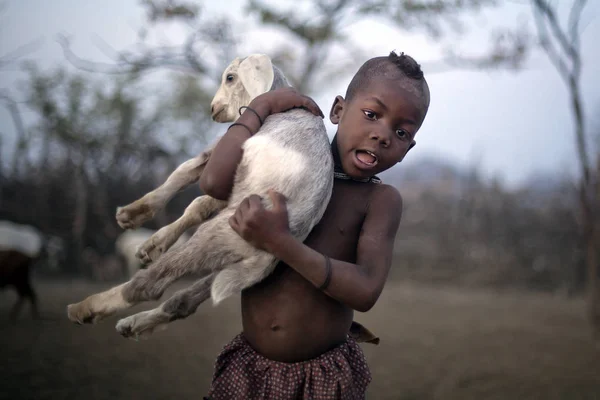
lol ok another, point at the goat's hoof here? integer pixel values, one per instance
(140, 325)
(143, 252)
(124, 327)
(81, 313)
(151, 249)
(148, 252)
(133, 215)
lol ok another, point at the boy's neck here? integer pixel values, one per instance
(339, 172)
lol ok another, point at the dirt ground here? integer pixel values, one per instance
(436, 344)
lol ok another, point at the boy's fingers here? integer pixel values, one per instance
(233, 223)
(254, 201)
(312, 106)
(277, 199)
(244, 205)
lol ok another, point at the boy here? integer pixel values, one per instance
(295, 341)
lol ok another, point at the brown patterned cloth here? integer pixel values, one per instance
(241, 373)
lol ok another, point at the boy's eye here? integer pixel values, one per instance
(402, 134)
(370, 114)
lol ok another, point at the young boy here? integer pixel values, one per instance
(295, 341)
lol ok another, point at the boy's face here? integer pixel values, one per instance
(377, 127)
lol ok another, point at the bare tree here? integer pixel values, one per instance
(318, 49)
(9, 60)
(205, 35)
(322, 51)
(562, 46)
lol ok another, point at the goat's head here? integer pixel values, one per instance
(242, 81)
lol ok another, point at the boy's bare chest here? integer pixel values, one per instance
(338, 232)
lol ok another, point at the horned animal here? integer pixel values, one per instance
(290, 154)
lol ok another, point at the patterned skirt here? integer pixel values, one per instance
(241, 373)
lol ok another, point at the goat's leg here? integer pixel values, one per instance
(181, 305)
(135, 214)
(200, 210)
(145, 285)
(219, 285)
(201, 254)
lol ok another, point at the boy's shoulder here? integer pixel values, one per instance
(368, 198)
(385, 196)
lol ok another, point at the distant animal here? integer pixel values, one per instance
(20, 247)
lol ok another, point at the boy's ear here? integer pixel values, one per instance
(412, 144)
(337, 109)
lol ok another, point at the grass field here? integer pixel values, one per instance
(437, 343)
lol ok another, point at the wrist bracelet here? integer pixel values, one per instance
(327, 273)
(240, 124)
(255, 113)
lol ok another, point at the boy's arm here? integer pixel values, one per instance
(356, 285)
(219, 173)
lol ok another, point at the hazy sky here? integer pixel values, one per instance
(511, 124)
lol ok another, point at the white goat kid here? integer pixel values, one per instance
(295, 142)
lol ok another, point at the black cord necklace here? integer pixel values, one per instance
(338, 173)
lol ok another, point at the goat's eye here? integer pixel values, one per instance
(370, 114)
(229, 78)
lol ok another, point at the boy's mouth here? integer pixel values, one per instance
(366, 157)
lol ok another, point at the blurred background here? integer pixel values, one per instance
(493, 291)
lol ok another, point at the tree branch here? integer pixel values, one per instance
(20, 51)
(547, 44)
(557, 32)
(574, 19)
(22, 139)
(130, 63)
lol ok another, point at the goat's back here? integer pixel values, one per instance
(290, 154)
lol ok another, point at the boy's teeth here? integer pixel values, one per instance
(366, 157)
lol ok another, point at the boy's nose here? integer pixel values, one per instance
(382, 137)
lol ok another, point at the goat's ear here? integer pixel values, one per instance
(256, 74)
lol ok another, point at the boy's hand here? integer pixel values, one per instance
(281, 100)
(259, 226)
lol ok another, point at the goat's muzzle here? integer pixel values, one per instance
(215, 111)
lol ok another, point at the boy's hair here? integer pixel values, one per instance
(394, 66)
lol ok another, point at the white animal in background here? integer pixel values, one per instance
(20, 247)
(128, 243)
